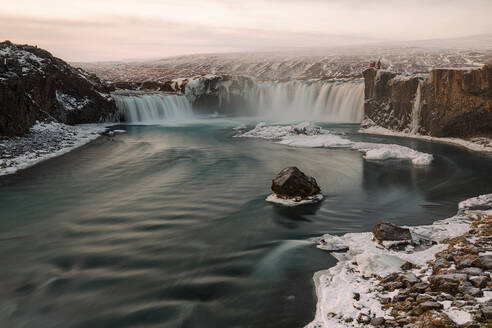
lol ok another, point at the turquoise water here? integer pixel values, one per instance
(166, 226)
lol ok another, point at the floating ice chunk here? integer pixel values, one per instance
(390, 151)
(276, 132)
(309, 135)
(292, 202)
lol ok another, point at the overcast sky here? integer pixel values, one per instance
(89, 30)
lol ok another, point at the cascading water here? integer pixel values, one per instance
(414, 125)
(153, 107)
(298, 100)
(322, 101)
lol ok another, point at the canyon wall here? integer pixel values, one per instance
(34, 85)
(444, 103)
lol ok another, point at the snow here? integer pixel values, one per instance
(477, 144)
(361, 260)
(27, 60)
(292, 202)
(460, 317)
(71, 103)
(487, 296)
(277, 132)
(44, 141)
(383, 151)
(309, 135)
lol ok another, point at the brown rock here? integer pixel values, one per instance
(388, 231)
(434, 319)
(291, 182)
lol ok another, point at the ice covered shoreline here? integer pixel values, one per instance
(44, 141)
(376, 285)
(308, 135)
(477, 144)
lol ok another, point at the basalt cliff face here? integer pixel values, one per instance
(34, 85)
(445, 103)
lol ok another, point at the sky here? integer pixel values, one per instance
(101, 30)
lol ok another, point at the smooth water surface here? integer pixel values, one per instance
(168, 227)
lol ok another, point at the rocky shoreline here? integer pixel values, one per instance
(440, 278)
(44, 141)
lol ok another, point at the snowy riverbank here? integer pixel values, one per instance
(44, 141)
(309, 135)
(481, 144)
(442, 276)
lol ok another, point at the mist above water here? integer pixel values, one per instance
(334, 102)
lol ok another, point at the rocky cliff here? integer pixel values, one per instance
(445, 103)
(34, 85)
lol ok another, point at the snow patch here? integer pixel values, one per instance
(293, 202)
(44, 141)
(71, 103)
(458, 316)
(309, 135)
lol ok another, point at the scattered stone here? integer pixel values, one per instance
(408, 266)
(420, 287)
(378, 321)
(487, 312)
(447, 282)
(388, 231)
(430, 305)
(423, 298)
(434, 319)
(363, 318)
(479, 281)
(483, 262)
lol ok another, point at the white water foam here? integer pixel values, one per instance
(340, 102)
(154, 108)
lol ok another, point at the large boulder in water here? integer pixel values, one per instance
(385, 231)
(292, 183)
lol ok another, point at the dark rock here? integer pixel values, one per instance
(420, 287)
(447, 283)
(434, 319)
(377, 321)
(356, 296)
(408, 266)
(474, 271)
(467, 289)
(483, 262)
(291, 182)
(388, 231)
(363, 318)
(487, 312)
(423, 298)
(409, 278)
(430, 305)
(34, 85)
(479, 281)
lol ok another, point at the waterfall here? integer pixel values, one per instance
(299, 100)
(153, 107)
(322, 101)
(414, 125)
